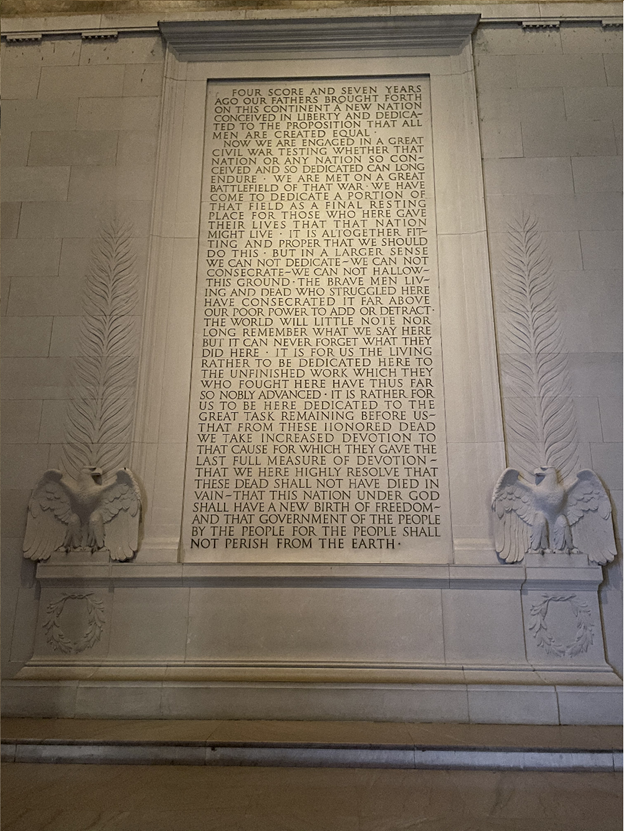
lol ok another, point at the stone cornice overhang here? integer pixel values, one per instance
(100, 26)
(290, 38)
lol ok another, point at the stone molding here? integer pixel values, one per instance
(556, 576)
(462, 253)
(313, 37)
(558, 701)
(544, 16)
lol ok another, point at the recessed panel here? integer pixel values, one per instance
(316, 426)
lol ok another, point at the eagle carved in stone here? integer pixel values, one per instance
(84, 514)
(546, 516)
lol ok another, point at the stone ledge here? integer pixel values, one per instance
(263, 672)
(305, 754)
(462, 703)
(539, 573)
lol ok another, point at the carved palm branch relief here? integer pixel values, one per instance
(540, 420)
(100, 410)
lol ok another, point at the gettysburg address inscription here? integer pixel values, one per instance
(316, 428)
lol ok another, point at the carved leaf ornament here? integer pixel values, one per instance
(55, 635)
(539, 411)
(96, 504)
(557, 513)
(100, 411)
(584, 626)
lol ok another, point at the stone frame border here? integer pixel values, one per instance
(473, 410)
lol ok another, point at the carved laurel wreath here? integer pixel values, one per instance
(584, 626)
(55, 636)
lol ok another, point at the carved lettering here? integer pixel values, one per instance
(316, 424)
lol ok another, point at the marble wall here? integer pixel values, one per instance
(80, 144)
(550, 109)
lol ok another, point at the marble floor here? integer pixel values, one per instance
(140, 798)
(67, 797)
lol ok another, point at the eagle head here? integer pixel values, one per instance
(545, 473)
(91, 474)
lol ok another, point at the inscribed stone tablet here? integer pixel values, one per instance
(316, 427)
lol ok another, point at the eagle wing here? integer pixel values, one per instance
(514, 514)
(588, 510)
(49, 512)
(120, 506)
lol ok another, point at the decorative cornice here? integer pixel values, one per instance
(18, 30)
(100, 34)
(24, 37)
(416, 35)
(541, 23)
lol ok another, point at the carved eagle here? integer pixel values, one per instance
(66, 514)
(547, 516)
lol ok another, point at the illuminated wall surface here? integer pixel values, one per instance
(315, 281)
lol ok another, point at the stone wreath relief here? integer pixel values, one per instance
(55, 635)
(584, 626)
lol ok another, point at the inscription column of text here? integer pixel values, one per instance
(314, 417)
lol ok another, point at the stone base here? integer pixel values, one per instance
(474, 644)
(536, 703)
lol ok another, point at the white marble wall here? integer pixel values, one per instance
(550, 108)
(80, 124)
(79, 135)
